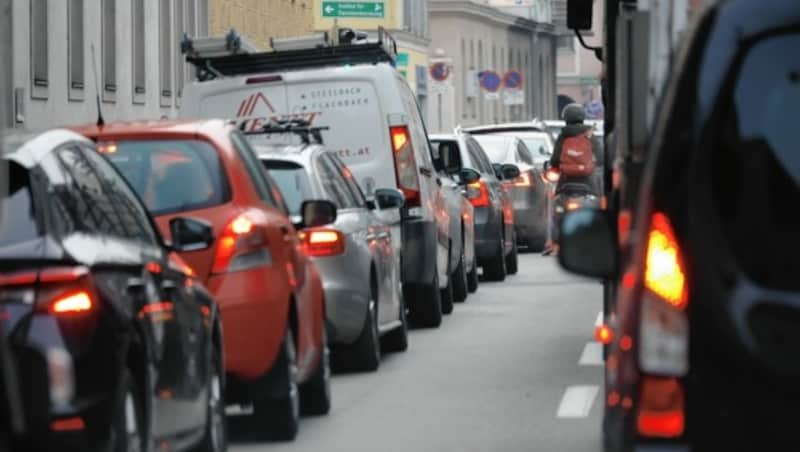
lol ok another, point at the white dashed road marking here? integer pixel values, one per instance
(592, 354)
(599, 320)
(577, 402)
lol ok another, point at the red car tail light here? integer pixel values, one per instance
(73, 303)
(478, 193)
(664, 324)
(242, 246)
(323, 242)
(524, 180)
(405, 165)
(661, 408)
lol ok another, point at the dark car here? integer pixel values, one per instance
(116, 342)
(704, 355)
(495, 241)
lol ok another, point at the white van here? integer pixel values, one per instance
(374, 124)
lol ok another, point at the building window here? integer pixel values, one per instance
(76, 48)
(139, 62)
(165, 52)
(566, 43)
(38, 40)
(178, 29)
(108, 43)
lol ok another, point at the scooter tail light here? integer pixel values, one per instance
(661, 411)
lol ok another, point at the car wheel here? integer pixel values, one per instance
(425, 304)
(281, 416)
(315, 394)
(512, 260)
(495, 269)
(458, 280)
(447, 298)
(127, 432)
(364, 355)
(216, 435)
(472, 279)
(397, 339)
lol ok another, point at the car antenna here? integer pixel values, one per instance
(100, 121)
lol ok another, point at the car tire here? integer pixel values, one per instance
(280, 416)
(512, 260)
(472, 279)
(215, 438)
(363, 355)
(495, 269)
(458, 280)
(315, 394)
(128, 434)
(425, 304)
(397, 339)
(447, 298)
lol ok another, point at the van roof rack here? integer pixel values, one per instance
(299, 127)
(350, 48)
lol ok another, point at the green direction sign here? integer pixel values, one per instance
(402, 59)
(353, 9)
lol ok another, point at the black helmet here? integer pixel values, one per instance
(573, 114)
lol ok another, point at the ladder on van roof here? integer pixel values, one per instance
(231, 55)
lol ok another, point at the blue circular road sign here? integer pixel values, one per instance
(513, 79)
(490, 81)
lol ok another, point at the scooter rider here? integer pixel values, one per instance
(574, 117)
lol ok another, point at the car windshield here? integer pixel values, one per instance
(19, 214)
(496, 147)
(171, 175)
(293, 181)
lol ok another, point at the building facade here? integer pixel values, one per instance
(473, 39)
(56, 47)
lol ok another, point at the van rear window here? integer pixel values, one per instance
(172, 175)
(18, 220)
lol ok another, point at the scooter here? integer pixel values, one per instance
(569, 197)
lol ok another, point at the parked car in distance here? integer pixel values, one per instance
(374, 124)
(495, 244)
(270, 294)
(355, 255)
(111, 328)
(529, 192)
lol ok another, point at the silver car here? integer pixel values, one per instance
(355, 255)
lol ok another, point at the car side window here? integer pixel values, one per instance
(483, 161)
(327, 177)
(347, 177)
(256, 171)
(133, 217)
(524, 154)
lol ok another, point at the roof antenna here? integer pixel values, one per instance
(100, 121)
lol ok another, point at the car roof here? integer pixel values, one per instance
(443, 136)
(143, 129)
(300, 154)
(508, 126)
(28, 149)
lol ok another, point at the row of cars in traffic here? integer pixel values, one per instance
(154, 273)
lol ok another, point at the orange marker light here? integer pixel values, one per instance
(604, 334)
(664, 271)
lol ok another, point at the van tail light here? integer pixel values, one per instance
(524, 180)
(323, 242)
(661, 408)
(664, 324)
(242, 246)
(405, 165)
(478, 193)
(73, 303)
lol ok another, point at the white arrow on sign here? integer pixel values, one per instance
(329, 9)
(378, 7)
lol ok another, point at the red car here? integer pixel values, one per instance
(269, 292)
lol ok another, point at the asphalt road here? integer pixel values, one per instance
(512, 369)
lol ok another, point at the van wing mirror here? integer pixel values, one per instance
(579, 14)
(389, 198)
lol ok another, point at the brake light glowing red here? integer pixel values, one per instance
(74, 303)
(405, 165)
(478, 193)
(661, 408)
(524, 180)
(323, 242)
(240, 236)
(664, 270)
(241, 225)
(67, 425)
